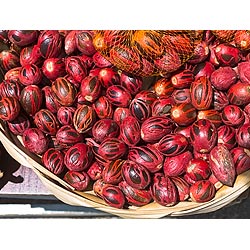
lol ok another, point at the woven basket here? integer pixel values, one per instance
(68, 195)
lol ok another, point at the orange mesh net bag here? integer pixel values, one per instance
(147, 52)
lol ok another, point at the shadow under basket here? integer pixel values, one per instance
(67, 194)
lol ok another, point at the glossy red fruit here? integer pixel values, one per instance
(103, 108)
(9, 108)
(46, 121)
(112, 149)
(31, 55)
(163, 87)
(105, 128)
(95, 171)
(222, 165)
(203, 69)
(108, 77)
(118, 96)
(220, 100)
(65, 92)
(183, 188)
(135, 197)
(176, 165)
(84, 42)
(31, 99)
(135, 175)
(53, 68)
(50, 43)
(203, 135)
(131, 82)
(239, 94)
(183, 79)
(244, 72)
(9, 59)
(22, 37)
(147, 156)
(30, 74)
(70, 43)
(227, 136)
(10, 88)
(65, 115)
(164, 190)
(130, 131)
(201, 93)
(183, 114)
(111, 173)
(155, 127)
(84, 118)
(147, 96)
(78, 157)
(67, 136)
(212, 115)
(232, 115)
(181, 95)
(19, 124)
(202, 191)
(198, 169)
(35, 140)
(52, 159)
(162, 106)
(241, 158)
(51, 102)
(113, 196)
(140, 109)
(78, 180)
(243, 136)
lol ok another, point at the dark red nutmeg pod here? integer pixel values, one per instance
(220, 100)
(78, 157)
(244, 72)
(212, 115)
(53, 161)
(95, 171)
(243, 136)
(182, 79)
(10, 88)
(147, 96)
(181, 95)
(9, 108)
(132, 83)
(9, 59)
(107, 76)
(227, 136)
(12, 75)
(65, 115)
(163, 87)
(140, 109)
(70, 43)
(183, 188)
(232, 115)
(19, 124)
(241, 158)
(22, 37)
(111, 173)
(120, 114)
(78, 180)
(162, 106)
(31, 55)
(51, 102)
(198, 169)
(30, 74)
(84, 42)
(239, 93)
(103, 108)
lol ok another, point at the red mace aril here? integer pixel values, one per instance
(70, 43)
(162, 106)
(78, 180)
(140, 109)
(220, 100)
(95, 171)
(76, 68)
(181, 95)
(78, 157)
(100, 61)
(202, 191)
(135, 175)
(200, 53)
(22, 37)
(227, 136)
(67, 136)
(183, 188)
(112, 149)
(120, 114)
(241, 158)
(88, 61)
(9, 59)
(103, 108)
(183, 79)
(31, 55)
(242, 39)
(118, 96)
(232, 115)
(239, 93)
(108, 77)
(105, 128)
(198, 169)
(188, 179)
(203, 135)
(155, 127)
(53, 68)
(19, 124)
(134, 196)
(172, 144)
(201, 93)
(130, 131)
(131, 82)
(223, 77)
(113, 196)
(222, 165)
(31, 99)
(51, 102)
(176, 165)
(244, 71)
(147, 156)
(111, 173)
(203, 156)
(90, 88)
(204, 69)
(84, 118)
(65, 115)
(50, 43)
(243, 136)
(183, 114)
(35, 140)
(163, 190)
(65, 92)
(227, 55)
(147, 96)
(163, 87)
(30, 74)
(12, 75)
(84, 42)
(9, 108)
(10, 88)
(52, 159)
(46, 121)
(212, 115)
